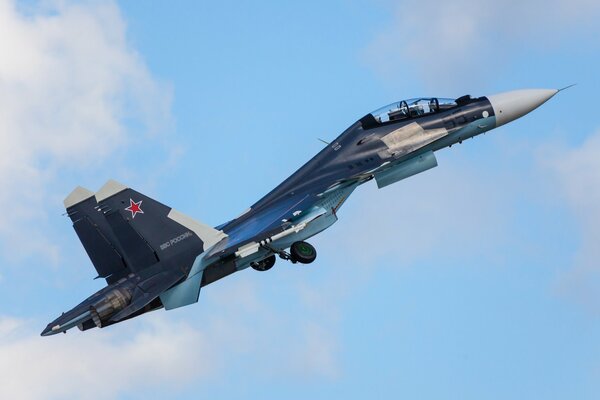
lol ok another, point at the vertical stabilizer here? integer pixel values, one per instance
(95, 234)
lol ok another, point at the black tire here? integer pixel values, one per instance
(265, 264)
(303, 252)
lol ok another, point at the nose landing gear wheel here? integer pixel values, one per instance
(265, 264)
(303, 252)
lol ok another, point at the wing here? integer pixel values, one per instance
(279, 215)
(255, 225)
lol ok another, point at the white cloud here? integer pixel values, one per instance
(577, 172)
(69, 82)
(294, 335)
(439, 41)
(316, 354)
(94, 365)
(158, 351)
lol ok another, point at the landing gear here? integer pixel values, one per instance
(303, 253)
(265, 264)
(300, 252)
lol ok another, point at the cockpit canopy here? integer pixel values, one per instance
(412, 108)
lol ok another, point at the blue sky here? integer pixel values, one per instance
(477, 279)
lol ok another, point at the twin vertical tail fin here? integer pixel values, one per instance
(144, 249)
(125, 231)
(95, 235)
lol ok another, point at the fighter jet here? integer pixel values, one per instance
(153, 256)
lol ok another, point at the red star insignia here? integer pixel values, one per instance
(134, 208)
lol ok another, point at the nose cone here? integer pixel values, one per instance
(509, 106)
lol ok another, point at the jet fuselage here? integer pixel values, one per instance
(153, 256)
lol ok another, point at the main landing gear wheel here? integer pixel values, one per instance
(265, 264)
(303, 252)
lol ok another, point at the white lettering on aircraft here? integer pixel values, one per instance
(176, 240)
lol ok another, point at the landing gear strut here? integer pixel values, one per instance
(300, 252)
